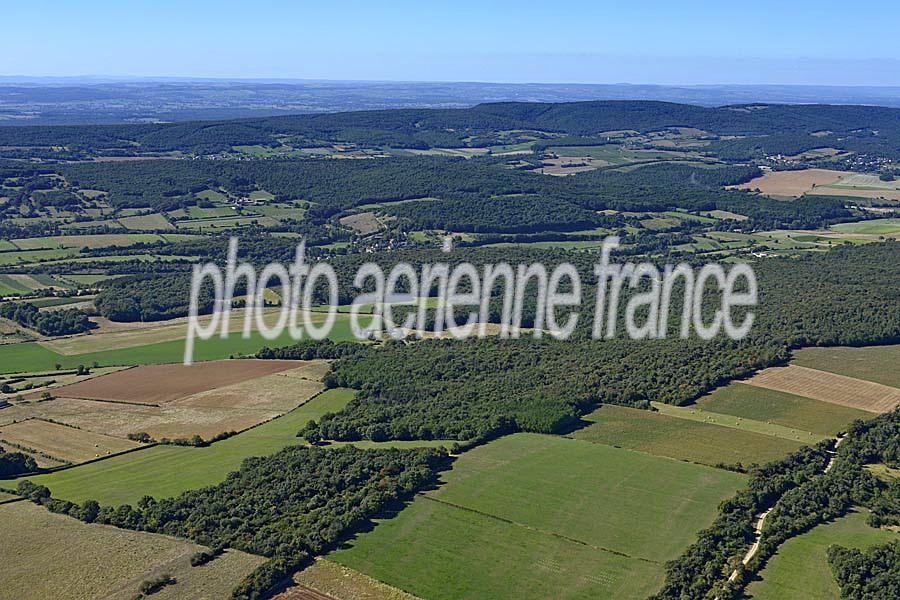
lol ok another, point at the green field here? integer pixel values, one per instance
(226, 222)
(533, 516)
(568, 245)
(9, 286)
(872, 363)
(800, 568)
(440, 552)
(31, 356)
(261, 195)
(751, 402)
(682, 439)
(699, 415)
(33, 256)
(873, 227)
(151, 221)
(163, 471)
(565, 486)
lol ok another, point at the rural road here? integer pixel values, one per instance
(762, 517)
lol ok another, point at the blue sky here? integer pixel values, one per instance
(853, 43)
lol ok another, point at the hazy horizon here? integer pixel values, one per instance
(505, 42)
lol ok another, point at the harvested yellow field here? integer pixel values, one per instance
(828, 387)
(45, 555)
(63, 442)
(341, 582)
(791, 183)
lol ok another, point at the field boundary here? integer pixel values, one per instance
(537, 529)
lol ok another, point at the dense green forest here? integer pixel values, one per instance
(486, 387)
(466, 195)
(15, 463)
(55, 322)
(863, 574)
(424, 128)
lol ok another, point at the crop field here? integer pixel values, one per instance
(441, 552)
(780, 408)
(226, 222)
(872, 363)
(32, 256)
(872, 227)
(725, 214)
(616, 154)
(792, 183)
(858, 192)
(63, 442)
(10, 286)
(163, 471)
(86, 241)
(155, 384)
(866, 180)
(234, 407)
(800, 568)
(519, 478)
(151, 221)
(682, 439)
(111, 335)
(828, 387)
(338, 581)
(528, 516)
(45, 555)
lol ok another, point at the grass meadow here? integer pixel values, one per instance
(872, 363)
(800, 568)
(534, 516)
(780, 408)
(681, 439)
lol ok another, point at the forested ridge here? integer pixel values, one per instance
(423, 128)
(481, 195)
